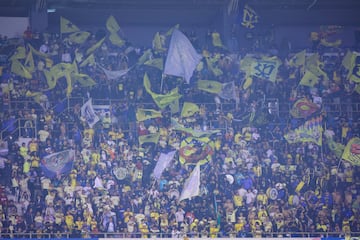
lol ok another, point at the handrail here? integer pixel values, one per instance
(18, 129)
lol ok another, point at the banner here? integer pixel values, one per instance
(88, 113)
(162, 163)
(58, 163)
(249, 17)
(352, 151)
(265, 69)
(196, 150)
(303, 108)
(310, 131)
(354, 74)
(182, 58)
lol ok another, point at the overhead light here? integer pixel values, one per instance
(51, 10)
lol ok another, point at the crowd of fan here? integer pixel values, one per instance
(255, 185)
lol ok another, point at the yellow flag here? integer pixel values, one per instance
(67, 27)
(116, 40)
(309, 79)
(158, 43)
(49, 62)
(146, 56)
(298, 59)
(50, 78)
(211, 64)
(352, 151)
(313, 65)
(112, 25)
(69, 84)
(216, 40)
(161, 100)
(29, 62)
(95, 46)
(346, 62)
(20, 70)
(247, 83)
(90, 60)
(156, 62)
(357, 88)
(35, 95)
(245, 64)
(189, 109)
(37, 53)
(83, 79)
(209, 86)
(79, 37)
(144, 114)
(20, 53)
(150, 138)
(58, 71)
(354, 72)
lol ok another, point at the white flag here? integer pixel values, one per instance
(182, 57)
(162, 163)
(192, 185)
(113, 75)
(228, 91)
(88, 113)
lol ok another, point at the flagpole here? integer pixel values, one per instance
(162, 82)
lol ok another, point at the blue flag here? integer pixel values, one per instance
(58, 163)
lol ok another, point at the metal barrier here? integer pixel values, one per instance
(351, 110)
(180, 235)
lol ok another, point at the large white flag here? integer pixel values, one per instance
(88, 113)
(162, 163)
(192, 185)
(182, 57)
